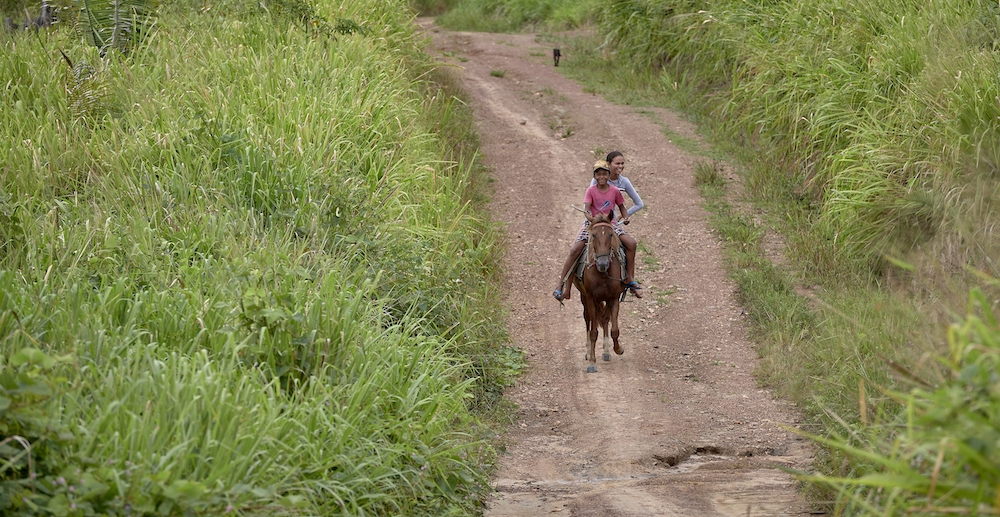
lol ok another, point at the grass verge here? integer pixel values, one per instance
(241, 271)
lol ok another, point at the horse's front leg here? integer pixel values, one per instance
(614, 330)
(591, 346)
(590, 318)
(607, 344)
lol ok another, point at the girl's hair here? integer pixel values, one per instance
(612, 155)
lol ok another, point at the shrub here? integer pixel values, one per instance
(943, 455)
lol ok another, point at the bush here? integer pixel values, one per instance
(943, 456)
(41, 472)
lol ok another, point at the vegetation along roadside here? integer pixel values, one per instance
(853, 174)
(241, 269)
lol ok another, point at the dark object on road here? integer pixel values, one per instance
(556, 55)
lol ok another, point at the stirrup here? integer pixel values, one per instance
(558, 295)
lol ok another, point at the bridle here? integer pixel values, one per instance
(594, 257)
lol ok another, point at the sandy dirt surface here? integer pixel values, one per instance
(675, 426)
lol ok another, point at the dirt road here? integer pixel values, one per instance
(675, 426)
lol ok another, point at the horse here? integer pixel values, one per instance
(601, 287)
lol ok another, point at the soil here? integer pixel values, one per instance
(677, 425)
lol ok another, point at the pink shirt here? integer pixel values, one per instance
(603, 202)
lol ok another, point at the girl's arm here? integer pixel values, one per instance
(586, 212)
(634, 196)
(624, 219)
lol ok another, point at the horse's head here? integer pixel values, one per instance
(602, 237)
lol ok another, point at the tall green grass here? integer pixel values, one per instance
(252, 248)
(432, 7)
(515, 15)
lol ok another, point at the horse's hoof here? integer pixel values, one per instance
(607, 356)
(591, 369)
(619, 350)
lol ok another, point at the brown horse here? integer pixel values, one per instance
(601, 287)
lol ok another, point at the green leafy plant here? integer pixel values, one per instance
(37, 449)
(306, 16)
(89, 95)
(346, 26)
(941, 457)
(33, 439)
(115, 24)
(11, 229)
(41, 473)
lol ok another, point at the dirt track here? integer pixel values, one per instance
(675, 426)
